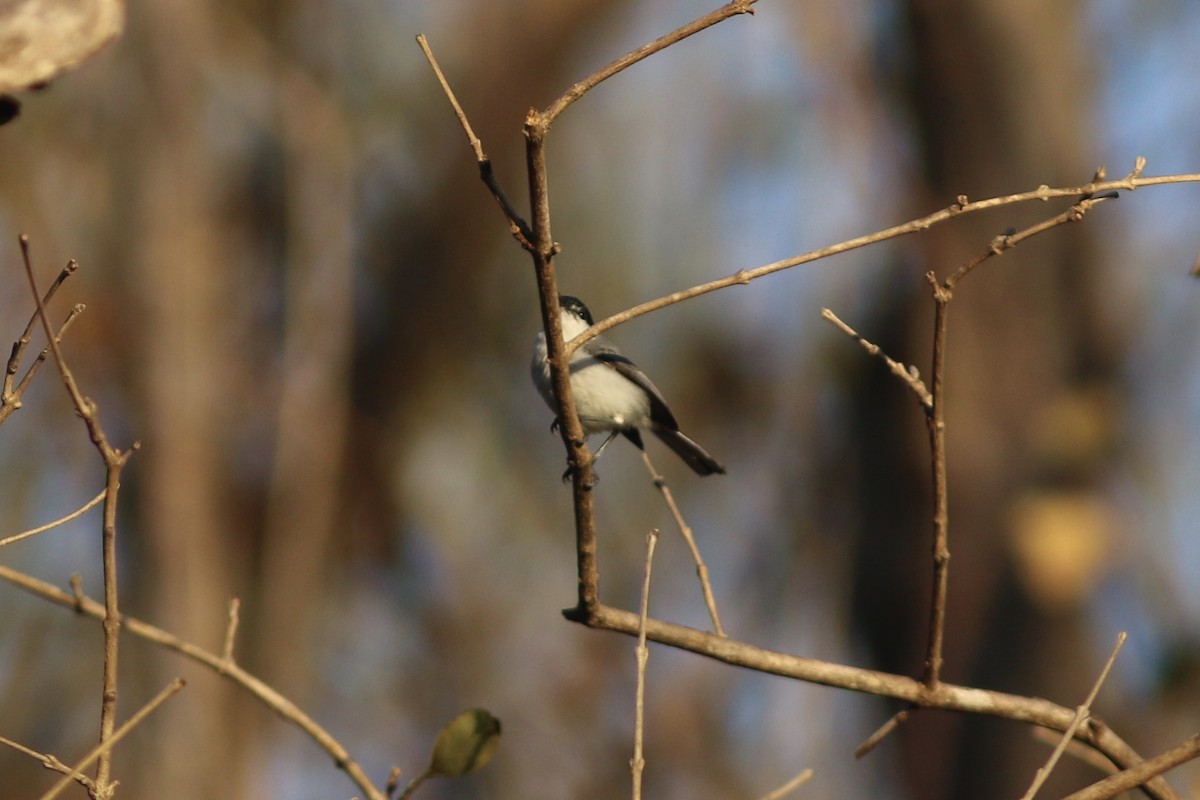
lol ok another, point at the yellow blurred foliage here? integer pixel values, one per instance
(1061, 543)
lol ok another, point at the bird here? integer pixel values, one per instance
(612, 394)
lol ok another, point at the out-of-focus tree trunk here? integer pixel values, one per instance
(1001, 94)
(180, 294)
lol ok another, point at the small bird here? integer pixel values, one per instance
(612, 394)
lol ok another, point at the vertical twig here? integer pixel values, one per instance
(638, 762)
(579, 458)
(936, 422)
(231, 627)
(537, 239)
(114, 460)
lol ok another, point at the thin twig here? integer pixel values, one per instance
(114, 460)
(518, 226)
(1007, 241)
(27, 378)
(1077, 749)
(638, 762)
(1081, 715)
(936, 425)
(14, 359)
(49, 761)
(685, 530)
(90, 504)
(789, 787)
(107, 744)
(1141, 774)
(959, 207)
(474, 141)
(882, 732)
(10, 395)
(77, 600)
(935, 416)
(906, 374)
(415, 784)
(581, 88)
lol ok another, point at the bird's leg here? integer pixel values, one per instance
(595, 457)
(604, 444)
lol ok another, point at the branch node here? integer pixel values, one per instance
(1139, 165)
(77, 592)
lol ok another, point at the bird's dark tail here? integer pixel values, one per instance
(696, 456)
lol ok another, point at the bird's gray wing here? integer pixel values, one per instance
(608, 355)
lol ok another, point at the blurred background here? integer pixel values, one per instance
(305, 306)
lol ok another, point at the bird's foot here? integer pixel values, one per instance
(570, 472)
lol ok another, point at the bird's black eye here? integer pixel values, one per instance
(575, 306)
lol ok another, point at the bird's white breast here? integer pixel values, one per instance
(604, 398)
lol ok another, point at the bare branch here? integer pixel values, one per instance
(906, 374)
(114, 460)
(10, 396)
(882, 732)
(638, 762)
(1142, 773)
(645, 51)
(685, 530)
(50, 762)
(267, 695)
(107, 744)
(961, 206)
(1081, 714)
(935, 423)
(90, 504)
(945, 696)
(519, 227)
(789, 787)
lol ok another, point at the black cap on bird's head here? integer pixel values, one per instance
(573, 305)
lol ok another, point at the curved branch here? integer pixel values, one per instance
(945, 696)
(275, 701)
(961, 206)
